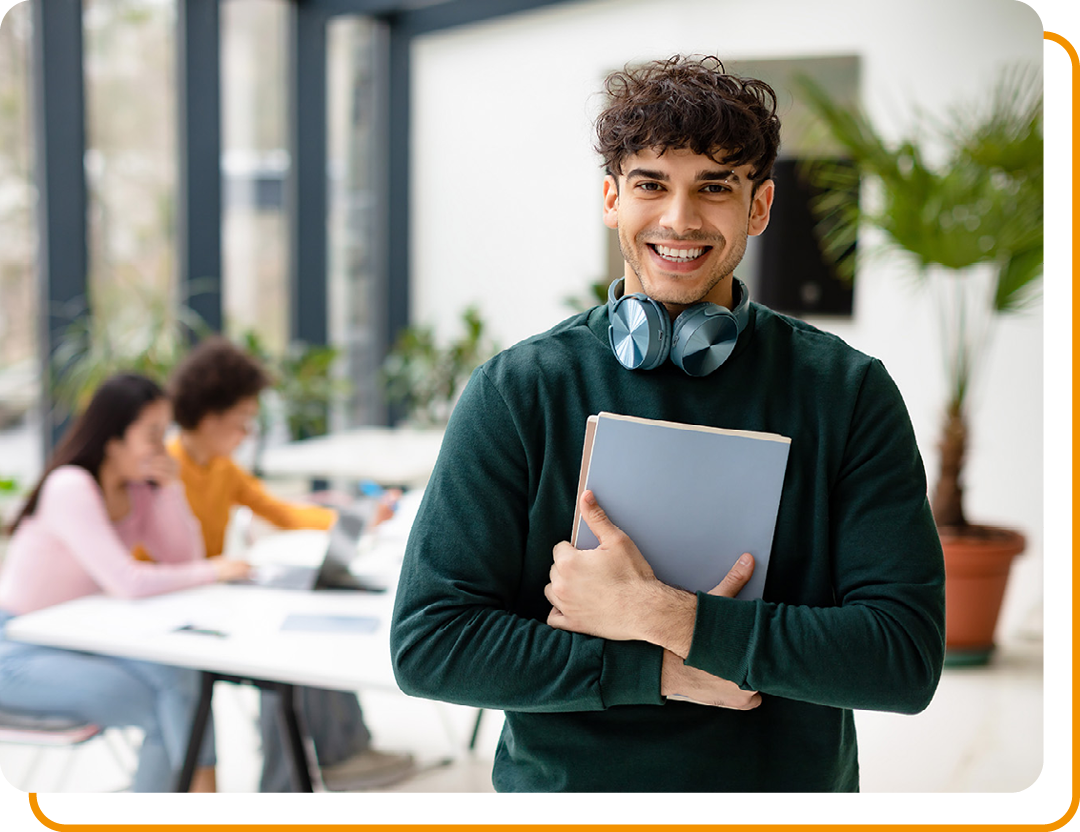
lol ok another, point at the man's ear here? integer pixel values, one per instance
(611, 202)
(760, 206)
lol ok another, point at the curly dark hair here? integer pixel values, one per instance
(212, 378)
(689, 102)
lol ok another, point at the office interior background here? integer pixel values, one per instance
(459, 172)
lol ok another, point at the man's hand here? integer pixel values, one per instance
(603, 591)
(680, 681)
(612, 592)
(688, 684)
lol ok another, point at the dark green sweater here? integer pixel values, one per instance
(853, 609)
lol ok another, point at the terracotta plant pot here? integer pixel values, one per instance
(977, 562)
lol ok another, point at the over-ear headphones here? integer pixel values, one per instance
(643, 336)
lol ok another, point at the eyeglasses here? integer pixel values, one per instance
(244, 422)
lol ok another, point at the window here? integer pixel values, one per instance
(20, 419)
(130, 69)
(356, 114)
(255, 164)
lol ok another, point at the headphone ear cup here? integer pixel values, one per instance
(639, 332)
(703, 337)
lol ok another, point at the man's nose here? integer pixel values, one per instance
(681, 214)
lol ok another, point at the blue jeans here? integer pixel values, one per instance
(333, 720)
(110, 692)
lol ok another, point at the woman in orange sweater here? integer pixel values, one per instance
(215, 393)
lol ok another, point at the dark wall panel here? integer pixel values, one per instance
(59, 142)
(198, 93)
(793, 277)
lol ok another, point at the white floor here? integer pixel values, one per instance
(982, 733)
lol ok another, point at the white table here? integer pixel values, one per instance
(250, 618)
(389, 456)
(247, 644)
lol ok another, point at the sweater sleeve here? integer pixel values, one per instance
(252, 493)
(72, 508)
(881, 646)
(455, 635)
(171, 534)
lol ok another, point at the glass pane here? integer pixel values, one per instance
(254, 165)
(356, 118)
(20, 418)
(130, 66)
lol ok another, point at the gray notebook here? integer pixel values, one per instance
(692, 498)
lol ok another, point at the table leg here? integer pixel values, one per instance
(293, 738)
(198, 728)
(476, 729)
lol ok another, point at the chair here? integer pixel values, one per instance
(45, 732)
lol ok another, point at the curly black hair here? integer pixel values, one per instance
(212, 378)
(689, 102)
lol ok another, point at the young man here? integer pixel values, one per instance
(215, 392)
(606, 674)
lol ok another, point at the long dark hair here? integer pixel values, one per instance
(116, 404)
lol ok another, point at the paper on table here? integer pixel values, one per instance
(315, 623)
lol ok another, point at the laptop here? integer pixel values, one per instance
(332, 573)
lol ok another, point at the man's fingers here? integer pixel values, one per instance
(736, 578)
(596, 518)
(561, 551)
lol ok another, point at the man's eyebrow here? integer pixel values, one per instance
(719, 176)
(644, 173)
(708, 175)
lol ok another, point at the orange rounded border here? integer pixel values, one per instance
(1068, 47)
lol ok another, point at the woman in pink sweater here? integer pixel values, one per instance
(109, 486)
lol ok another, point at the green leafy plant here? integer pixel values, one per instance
(304, 381)
(596, 294)
(424, 378)
(128, 326)
(980, 208)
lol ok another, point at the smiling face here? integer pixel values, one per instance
(683, 220)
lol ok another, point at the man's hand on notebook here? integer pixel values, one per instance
(601, 591)
(612, 592)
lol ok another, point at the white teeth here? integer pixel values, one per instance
(680, 254)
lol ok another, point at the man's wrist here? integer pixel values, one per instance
(668, 672)
(667, 618)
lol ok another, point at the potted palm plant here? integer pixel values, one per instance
(973, 226)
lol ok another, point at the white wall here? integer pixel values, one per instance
(506, 189)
